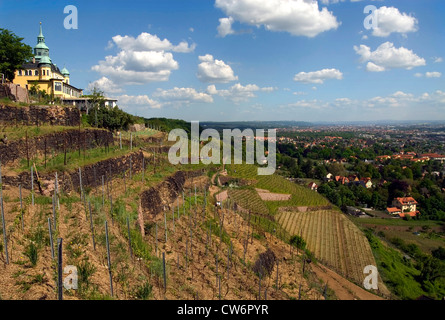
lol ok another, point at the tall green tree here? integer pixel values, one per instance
(13, 53)
(96, 100)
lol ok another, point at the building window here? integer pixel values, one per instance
(43, 72)
(36, 73)
(57, 86)
(20, 72)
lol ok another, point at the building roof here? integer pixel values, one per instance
(411, 214)
(432, 155)
(393, 210)
(31, 65)
(41, 45)
(41, 32)
(65, 71)
(312, 184)
(406, 200)
(45, 60)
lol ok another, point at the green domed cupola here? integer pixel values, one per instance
(44, 60)
(65, 72)
(41, 49)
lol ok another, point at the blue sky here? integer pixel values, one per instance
(225, 60)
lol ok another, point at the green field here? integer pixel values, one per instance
(431, 232)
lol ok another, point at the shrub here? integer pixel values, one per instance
(144, 291)
(85, 271)
(156, 266)
(298, 242)
(439, 253)
(31, 253)
(264, 264)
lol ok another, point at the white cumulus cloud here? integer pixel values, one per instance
(148, 42)
(141, 60)
(137, 67)
(434, 74)
(386, 56)
(318, 77)
(225, 27)
(214, 71)
(391, 20)
(104, 84)
(140, 100)
(239, 93)
(298, 17)
(180, 96)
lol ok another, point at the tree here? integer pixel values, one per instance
(35, 88)
(307, 168)
(13, 53)
(431, 268)
(298, 242)
(320, 171)
(337, 169)
(439, 253)
(97, 98)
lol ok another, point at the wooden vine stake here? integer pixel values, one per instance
(32, 185)
(51, 238)
(59, 269)
(21, 206)
(143, 167)
(156, 239)
(5, 238)
(91, 225)
(165, 223)
(173, 215)
(108, 257)
(103, 192)
(164, 273)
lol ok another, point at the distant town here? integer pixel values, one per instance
(393, 169)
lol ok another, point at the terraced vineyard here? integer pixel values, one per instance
(334, 240)
(248, 199)
(300, 196)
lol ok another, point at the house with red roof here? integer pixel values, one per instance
(403, 206)
(341, 179)
(367, 182)
(313, 186)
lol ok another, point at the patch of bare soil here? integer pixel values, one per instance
(266, 195)
(222, 196)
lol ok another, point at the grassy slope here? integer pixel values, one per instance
(397, 273)
(16, 133)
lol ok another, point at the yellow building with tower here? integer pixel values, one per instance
(44, 74)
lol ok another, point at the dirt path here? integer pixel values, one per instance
(213, 188)
(344, 289)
